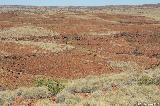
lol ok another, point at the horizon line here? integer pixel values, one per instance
(81, 5)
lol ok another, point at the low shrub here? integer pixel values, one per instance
(7, 97)
(68, 99)
(157, 81)
(1, 102)
(146, 80)
(87, 90)
(33, 92)
(53, 86)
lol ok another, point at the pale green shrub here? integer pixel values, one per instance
(53, 86)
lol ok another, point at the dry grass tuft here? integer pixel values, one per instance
(25, 31)
(7, 97)
(53, 47)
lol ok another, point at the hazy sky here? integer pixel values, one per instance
(75, 2)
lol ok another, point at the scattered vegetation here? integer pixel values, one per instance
(26, 31)
(65, 98)
(53, 47)
(143, 11)
(123, 89)
(124, 96)
(34, 92)
(53, 86)
(146, 80)
(103, 39)
(8, 97)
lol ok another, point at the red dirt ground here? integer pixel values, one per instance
(137, 40)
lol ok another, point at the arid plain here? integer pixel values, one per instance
(79, 56)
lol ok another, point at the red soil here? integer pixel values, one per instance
(137, 41)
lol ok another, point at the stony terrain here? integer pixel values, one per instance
(95, 52)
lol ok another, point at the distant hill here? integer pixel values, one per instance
(151, 5)
(24, 7)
